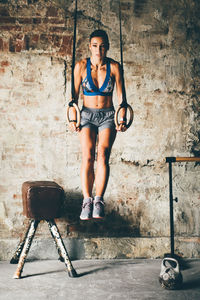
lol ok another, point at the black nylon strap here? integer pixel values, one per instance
(74, 53)
(124, 101)
(71, 103)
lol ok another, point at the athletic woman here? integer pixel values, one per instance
(97, 75)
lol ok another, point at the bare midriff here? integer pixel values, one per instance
(97, 102)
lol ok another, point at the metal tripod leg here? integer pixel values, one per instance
(61, 247)
(25, 249)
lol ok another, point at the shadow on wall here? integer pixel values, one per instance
(113, 225)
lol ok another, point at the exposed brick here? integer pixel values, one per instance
(34, 38)
(26, 42)
(5, 63)
(19, 42)
(32, 41)
(67, 40)
(10, 28)
(52, 21)
(37, 20)
(57, 29)
(25, 20)
(1, 44)
(160, 31)
(52, 12)
(19, 36)
(32, 1)
(44, 38)
(4, 12)
(5, 45)
(19, 45)
(7, 20)
(56, 40)
(11, 45)
(66, 45)
(125, 6)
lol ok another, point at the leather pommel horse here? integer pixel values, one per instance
(41, 201)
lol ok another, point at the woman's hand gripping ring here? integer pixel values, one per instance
(78, 114)
(131, 116)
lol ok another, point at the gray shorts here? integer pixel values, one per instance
(97, 119)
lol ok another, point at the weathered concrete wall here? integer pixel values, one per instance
(162, 74)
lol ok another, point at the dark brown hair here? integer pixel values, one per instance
(102, 34)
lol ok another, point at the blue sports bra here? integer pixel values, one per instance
(90, 89)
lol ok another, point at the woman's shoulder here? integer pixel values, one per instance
(112, 61)
(81, 65)
(115, 65)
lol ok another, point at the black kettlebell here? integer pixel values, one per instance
(170, 276)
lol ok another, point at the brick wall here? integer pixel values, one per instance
(161, 62)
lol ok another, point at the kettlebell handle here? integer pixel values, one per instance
(168, 259)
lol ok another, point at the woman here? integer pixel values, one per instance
(97, 75)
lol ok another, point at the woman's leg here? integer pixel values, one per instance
(106, 139)
(88, 143)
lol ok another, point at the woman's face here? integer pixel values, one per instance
(98, 47)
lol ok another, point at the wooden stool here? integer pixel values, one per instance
(41, 201)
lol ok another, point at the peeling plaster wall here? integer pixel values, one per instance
(162, 76)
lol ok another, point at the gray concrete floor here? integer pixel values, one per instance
(99, 279)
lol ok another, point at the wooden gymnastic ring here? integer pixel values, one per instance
(78, 114)
(131, 116)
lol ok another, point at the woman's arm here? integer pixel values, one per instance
(118, 79)
(77, 80)
(77, 83)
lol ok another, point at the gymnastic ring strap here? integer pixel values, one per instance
(72, 103)
(131, 115)
(124, 103)
(74, 51)
(78, 114)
